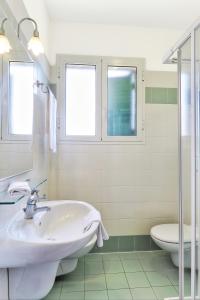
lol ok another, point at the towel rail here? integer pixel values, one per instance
(44, 87)
(86, 228)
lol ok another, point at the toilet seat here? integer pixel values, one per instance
(169, 233)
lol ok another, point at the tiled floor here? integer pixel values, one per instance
(120, 276)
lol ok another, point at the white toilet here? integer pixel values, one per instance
(68, 264)
(166, 236)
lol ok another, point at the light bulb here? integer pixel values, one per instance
(35, 45)
(4, 44)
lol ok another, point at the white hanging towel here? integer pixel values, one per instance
(19, 188)
(52, 122)
(95, 216)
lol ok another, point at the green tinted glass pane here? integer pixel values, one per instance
(122, 101)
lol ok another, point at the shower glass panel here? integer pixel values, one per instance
(197, 133)
(188, 48)
(185, 164)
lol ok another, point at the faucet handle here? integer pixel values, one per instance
(34, 191)
(33, 197)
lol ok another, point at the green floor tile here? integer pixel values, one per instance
(79, 269)
(96, 295)
(71, 276)
(187, 290)
(165, 292)
(93, 257)
(109, 276)
(132, 265)
(163, 262)
(173, 276)
(72, 296)
(148, 254)
(95, 282)
(123, 294)
(145, 254)
(154, 262)
(128, 255)
(158, 279)
(93, 267)
(160, 253)
(58, 283)
(116, 281)
(111, 256)
(81, 259)
(113, 266)
(143, 294)
(137, 279)
(148, 264)
(187, 283)
(54, 294)
(73, 284)
(187, 276)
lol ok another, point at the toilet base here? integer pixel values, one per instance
(187, 258)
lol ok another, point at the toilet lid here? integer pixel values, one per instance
(170, 233)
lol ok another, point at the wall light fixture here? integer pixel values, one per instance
(35, 44)
(4, 42)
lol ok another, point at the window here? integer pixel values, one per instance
(121, 97)
(101, 99)
(18, 79)
(80, 100)
(80, 115)
(21, 98)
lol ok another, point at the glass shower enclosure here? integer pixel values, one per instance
(186, 54)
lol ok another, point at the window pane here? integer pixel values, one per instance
(122, 101)
(80, 100)
(21, 98)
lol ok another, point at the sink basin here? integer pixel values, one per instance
(49, 236)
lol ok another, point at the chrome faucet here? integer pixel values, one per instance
(31, 206)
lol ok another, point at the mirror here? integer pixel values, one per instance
(16, 107)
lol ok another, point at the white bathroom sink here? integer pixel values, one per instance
(49, 236)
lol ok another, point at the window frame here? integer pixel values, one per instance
(1, 97)
(63, 60)
(101, 62)
(6, 135)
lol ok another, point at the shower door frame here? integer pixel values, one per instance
(168, 58)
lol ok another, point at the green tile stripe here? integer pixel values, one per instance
(127, 243)
(157, 95)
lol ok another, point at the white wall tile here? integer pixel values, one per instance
(133, 186)
(139, 210)
(134, 226)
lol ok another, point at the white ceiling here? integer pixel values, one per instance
(175, 14)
